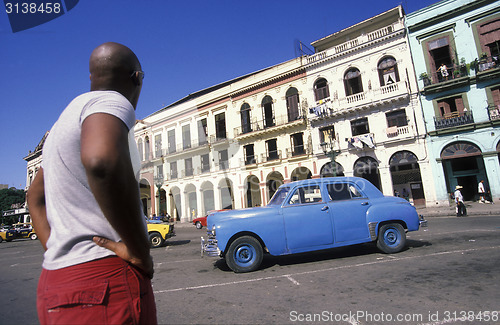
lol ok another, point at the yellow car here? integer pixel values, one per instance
(19, 230)
(159, 232)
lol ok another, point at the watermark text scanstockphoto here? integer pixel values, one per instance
(364, 316)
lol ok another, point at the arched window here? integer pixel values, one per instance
(352, 82)
(146, 149)
(292, 104)
(388, 71)
(460, 149)
(321, 90)
(140, 149)
(246, 125)
(267, 111)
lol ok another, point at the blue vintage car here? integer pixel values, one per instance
(310, 215)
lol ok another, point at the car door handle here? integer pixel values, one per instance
(324, 208)
(365, 203)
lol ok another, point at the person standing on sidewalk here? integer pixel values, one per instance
(85, 204)
(481, 191)
(459, 200)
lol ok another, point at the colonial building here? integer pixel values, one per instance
(34, 161)
(351, 108)
(455, 46)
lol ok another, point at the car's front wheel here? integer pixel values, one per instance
(244, 254)
(33, 236)
(155, 239)
(198, 225)
(391, 238)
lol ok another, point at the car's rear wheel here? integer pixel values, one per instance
(198, 225)
(1, 239)
(244, 254)
(391, 238)
(155, 239)
(33, 236)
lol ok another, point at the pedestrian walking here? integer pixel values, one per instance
(85, 204)
(481, 191)
(459, 200)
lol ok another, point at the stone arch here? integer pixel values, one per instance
(327, 170)
(463, 165)
(252, 191)
(367, 168)
(226, 193)
(406, 177)
(145, 193)
(175, 203)
(273, 181)
(207, 197)
(191, 200)
(300, 173)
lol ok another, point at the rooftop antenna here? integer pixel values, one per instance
(301, 49)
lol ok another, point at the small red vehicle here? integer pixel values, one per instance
(200, 222)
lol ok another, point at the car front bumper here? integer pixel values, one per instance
(209, 247)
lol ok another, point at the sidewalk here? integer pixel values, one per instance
(473, 209)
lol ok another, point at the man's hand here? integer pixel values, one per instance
(121, 250)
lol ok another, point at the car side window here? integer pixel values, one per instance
(306, 195)
(343, 191)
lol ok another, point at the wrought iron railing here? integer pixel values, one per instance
(453, 120)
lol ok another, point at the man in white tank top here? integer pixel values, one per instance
(85, 204)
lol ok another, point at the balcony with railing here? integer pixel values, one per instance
(452, 74)
(397, 131)
(298, 152)
(453, 119)
(357, 42)
(384, 94)
(494, 112)
(488, 63)
(488, 68)
(257, 128)
(271, 156)
(250, 160)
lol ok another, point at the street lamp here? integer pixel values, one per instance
(158, 180)
(328, 150)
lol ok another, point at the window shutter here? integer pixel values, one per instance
(460, 105)
(495, 93)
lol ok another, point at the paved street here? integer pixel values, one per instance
(449, 270)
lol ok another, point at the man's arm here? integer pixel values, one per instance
(36, 206)
(106, 158)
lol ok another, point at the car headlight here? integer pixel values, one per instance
(211, 232)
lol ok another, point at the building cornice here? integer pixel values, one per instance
(269, 83)
(448, 15)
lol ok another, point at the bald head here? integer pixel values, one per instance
(112, 67)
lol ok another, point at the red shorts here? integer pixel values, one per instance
(105, 291)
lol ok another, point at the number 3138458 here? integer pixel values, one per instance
(33, 8)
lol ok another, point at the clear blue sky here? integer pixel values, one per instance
(183, 46)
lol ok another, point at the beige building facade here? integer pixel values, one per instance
(351, 108)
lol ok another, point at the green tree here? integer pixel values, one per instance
(9, 196)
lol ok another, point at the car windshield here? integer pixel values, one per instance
(279, 196)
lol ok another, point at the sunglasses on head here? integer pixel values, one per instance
(140, 74)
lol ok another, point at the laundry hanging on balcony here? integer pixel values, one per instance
(360, 140)
(320, 110)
